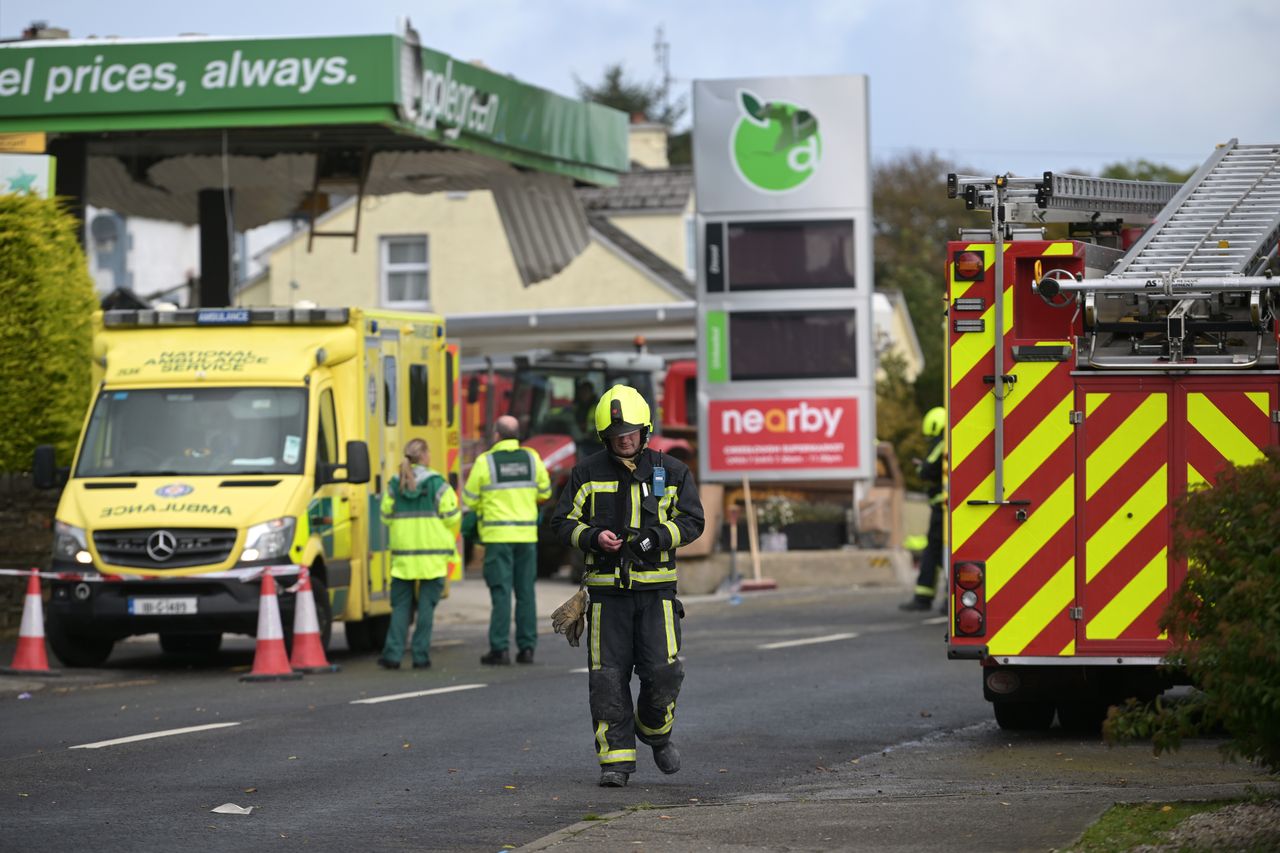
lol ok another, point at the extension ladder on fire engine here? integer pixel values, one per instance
(1223, 222)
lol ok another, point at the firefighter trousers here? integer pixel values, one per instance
(632, 630)
(931, 559)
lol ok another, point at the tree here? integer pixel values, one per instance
(914, 219)
(46, 302)
(1224, 621)
(1145, 170)
(898, 416)
(652, 101)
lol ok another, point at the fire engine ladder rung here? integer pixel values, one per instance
(1225, 218)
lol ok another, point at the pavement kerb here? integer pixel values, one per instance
(569, 832)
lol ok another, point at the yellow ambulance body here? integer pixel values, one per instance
(224, 442)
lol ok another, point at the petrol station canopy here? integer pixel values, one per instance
(285, 124)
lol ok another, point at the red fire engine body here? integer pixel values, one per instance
(1087, 388)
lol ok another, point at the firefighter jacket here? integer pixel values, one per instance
(604, 494)
(424, 524)
(504, 488)
(930, 470)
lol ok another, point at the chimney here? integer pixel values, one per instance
(647, 143)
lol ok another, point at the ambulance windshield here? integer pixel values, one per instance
(189, 431)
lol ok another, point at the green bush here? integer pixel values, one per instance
(46, 303)
(1224, 620)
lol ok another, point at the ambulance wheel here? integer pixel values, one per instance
(368, 635)
(1082, 717)
(1024, 716)
(324, 616)
(191, 645)
(75, 648)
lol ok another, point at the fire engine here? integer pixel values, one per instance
(1087, 388)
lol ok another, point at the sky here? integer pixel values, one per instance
(993, 87)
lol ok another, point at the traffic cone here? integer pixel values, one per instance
(270, 661)
(308, 651)
(30, 657)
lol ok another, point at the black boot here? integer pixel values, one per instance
(613, 778)
(667, 757)
(496, 658)
(525, 656)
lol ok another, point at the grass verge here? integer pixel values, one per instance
(1127, 825)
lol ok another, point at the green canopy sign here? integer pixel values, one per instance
(192, 83)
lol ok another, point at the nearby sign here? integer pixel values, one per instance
(785, 433)
(786, 365)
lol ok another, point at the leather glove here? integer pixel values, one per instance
(570, 618)
(574, 632)
(649, 542)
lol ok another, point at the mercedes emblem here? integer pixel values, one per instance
(161, 545)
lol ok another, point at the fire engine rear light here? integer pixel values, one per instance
(969, 598)
(970, 325)
(969, 622)
(968, 575)
(970, 303)
(969, 266)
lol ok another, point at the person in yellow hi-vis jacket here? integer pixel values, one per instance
(422, 511)
(505, 486)
(930, 469)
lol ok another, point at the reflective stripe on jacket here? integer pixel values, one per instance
(602, 494)
(424, 525)
(504, 487)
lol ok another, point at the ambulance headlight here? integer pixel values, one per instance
(69, 543)
(269, 540)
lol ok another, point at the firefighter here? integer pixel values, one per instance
(930, 471)
(422, 511)
(628, 508)
(504, 488)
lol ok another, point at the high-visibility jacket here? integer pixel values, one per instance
(604, 494)
(424, 524)
(505, 485)
(930, 471)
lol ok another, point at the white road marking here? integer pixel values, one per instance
(148, 736)
(374, 700)
(583, 669)
(786, 644)
(936, 620)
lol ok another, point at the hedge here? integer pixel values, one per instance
(47, 299)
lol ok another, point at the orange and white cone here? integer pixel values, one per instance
(308, 651)
(30, 657)
(270, 661)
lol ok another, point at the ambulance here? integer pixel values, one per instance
(225, 443)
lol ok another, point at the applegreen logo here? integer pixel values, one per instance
(775, 146)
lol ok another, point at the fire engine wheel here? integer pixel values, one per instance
(74, 648)
(1082, 717)
(1024, 716)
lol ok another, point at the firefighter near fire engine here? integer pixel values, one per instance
(504, 488)
(422, 512)
(930, 470)
(628, 508)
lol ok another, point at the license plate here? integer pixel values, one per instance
(161, 606)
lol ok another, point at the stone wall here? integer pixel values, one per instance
(26, 535)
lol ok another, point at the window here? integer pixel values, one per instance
(327, 438)
(390, 395)
(406, 272)
(192, 431)
(418, 394)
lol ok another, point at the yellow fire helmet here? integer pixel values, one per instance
(622, 409)
(935, 421)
